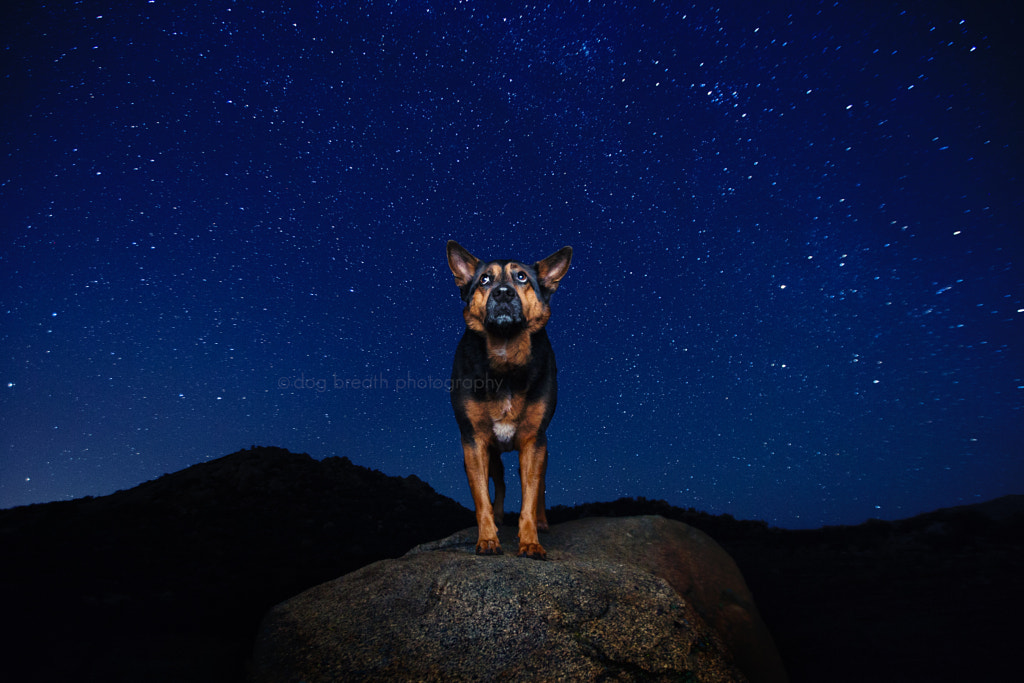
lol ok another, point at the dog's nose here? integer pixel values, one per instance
(503, 294)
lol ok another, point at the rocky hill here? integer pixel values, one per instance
(168, 581)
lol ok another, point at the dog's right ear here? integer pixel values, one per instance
(462, 263)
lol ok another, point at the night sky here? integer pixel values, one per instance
(796, 292)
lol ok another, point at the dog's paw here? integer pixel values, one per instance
(534, 551)
(488, 548)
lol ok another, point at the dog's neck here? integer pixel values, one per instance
(507, 354)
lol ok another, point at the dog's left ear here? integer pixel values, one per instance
(551, 270)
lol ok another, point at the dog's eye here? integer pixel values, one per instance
(485, 279)
(521, 276)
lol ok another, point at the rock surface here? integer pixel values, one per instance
(639, 598)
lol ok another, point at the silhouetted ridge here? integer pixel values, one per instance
(718, 526)
(195, 558)
(167, 581)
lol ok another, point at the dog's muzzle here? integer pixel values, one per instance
(504, 310)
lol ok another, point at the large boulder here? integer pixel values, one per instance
(639, 598)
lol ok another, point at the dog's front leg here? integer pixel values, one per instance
(497, 474)
(477, 460)
(533, 456)
(542, 515)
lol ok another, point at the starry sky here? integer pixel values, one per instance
(796, 292)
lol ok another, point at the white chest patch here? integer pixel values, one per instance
(504, 431)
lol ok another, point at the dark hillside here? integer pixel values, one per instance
(168, 580)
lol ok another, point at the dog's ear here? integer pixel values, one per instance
(551, 270)
(462, 263)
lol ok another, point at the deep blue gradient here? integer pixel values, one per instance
(796, 293)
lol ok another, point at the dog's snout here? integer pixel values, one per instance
(503, 294)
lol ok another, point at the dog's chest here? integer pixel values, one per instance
(504, 410)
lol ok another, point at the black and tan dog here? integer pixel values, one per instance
(503, 385)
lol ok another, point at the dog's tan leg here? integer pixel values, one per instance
(532, 464)
(477, 463)
(542, 517)
(497, 474)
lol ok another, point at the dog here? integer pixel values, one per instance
(504, 386)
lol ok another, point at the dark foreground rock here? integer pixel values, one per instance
(628, 599)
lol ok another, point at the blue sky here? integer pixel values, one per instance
(796, 292)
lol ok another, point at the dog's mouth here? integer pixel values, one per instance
(504, 317)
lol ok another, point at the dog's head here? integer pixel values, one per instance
(506, 298)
